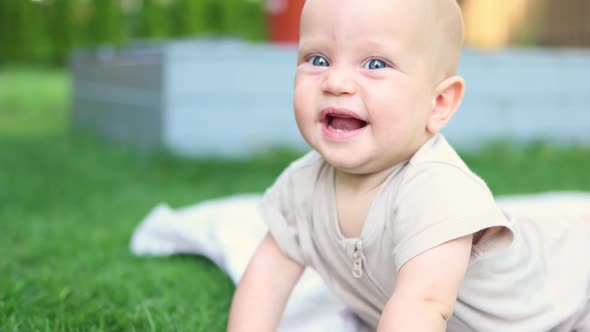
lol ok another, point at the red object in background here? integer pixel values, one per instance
(283, 19)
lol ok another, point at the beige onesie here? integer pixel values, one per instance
(528, 275)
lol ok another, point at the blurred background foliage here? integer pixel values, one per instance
(44, 31)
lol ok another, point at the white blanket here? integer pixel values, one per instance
(228, 230)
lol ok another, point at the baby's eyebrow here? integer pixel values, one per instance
(307, 47)
(308, 43)
(377, 46)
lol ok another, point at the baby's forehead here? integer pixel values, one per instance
(416, 16)
(401, 6)
(420, 26)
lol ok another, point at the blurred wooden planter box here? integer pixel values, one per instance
(201, 97)
(233, 98)
(524, 95)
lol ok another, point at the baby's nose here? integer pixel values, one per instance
(339, 81)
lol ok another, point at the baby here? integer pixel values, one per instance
(384, 209)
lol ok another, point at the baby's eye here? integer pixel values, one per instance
(318, 60)
(375, 64)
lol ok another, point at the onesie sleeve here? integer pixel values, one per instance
(282, 210)
(440, 203)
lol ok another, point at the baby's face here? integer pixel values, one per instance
(364, 82)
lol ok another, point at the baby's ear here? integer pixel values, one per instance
(447, 98)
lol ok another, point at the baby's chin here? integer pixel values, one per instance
(351, 164)
(345, 158)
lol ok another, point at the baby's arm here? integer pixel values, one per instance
(426, 289)
(261, 296)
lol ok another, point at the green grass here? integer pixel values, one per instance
(69, 204)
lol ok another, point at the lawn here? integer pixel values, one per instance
(68, 206)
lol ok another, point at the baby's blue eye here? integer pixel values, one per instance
(318, 60)
(375, 64)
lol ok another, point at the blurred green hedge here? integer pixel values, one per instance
(44, 31)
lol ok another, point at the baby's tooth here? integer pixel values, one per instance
(339, 130)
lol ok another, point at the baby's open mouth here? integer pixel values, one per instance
(343, 122)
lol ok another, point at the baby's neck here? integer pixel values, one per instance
(354, 196)
(362, 183)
